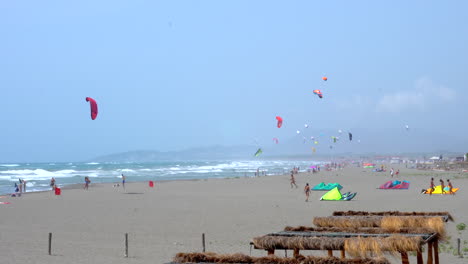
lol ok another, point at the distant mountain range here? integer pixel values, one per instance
(368, 144)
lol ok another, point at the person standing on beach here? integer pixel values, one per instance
(123, 181)
(24, 185)
(52, 183)
(20, 185)
(87, 182)
(397, 172)
(293, 181)
(307, 191)
(391, 172)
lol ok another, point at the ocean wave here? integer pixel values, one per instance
(9, 165)
(92, 163)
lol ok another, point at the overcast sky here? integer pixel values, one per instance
(169, 75)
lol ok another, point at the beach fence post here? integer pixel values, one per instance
(126, 245)
(50, 244)
(458, 247)
(203, 242)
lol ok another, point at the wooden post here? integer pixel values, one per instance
(429, 253)
(126, 245)
(203, 242)
(296, 253)
(285, 253)
(271, 252)
(343, 253)
(436, 251)
(404, 257)
(419, 257)
(330, 253)
(50, 243)
(458, 247)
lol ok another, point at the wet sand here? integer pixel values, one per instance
(89, 226)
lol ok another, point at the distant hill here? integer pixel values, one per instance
(366, 142)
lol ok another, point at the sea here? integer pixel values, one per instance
(38, 175)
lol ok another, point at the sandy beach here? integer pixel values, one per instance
(89, 226)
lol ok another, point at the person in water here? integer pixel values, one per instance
(52, 183)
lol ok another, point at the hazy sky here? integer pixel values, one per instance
(174, 74)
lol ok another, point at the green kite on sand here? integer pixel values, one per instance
(335, 195)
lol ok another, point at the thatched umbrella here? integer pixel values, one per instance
(446, 215)
(240, 258)
(391, 224)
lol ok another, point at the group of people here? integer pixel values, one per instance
(392, 172)
(293, 184)
(19, 188)
(442, 186)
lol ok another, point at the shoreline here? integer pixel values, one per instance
(89, 226)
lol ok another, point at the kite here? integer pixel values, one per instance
(334, 139)
(350, 136)
(316, 142)
(259, 151)
(306, 125)
(275, 140)
(298, 132)
(319, 93)
(324, 78)
(313, 150)
(407, 127)
(280, 121)
(94, 108)
(339, 131)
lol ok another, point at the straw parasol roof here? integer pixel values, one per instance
(238, 258)
(446, 215)
(355, 246)
(391, 224)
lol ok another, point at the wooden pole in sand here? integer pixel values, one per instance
(429, 253)
(296, 253)
(126, 245)
(404, 257)
(203, 241)
(436, 251)
(330, 253)
(343, 253)
(419, 257)
(50, 243)
(458, 247)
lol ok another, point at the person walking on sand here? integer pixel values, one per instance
(87, 182)
(432, 186)
(293, 181)
(307, 191)
(442, 186)
(450, 187)
(391, 172)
